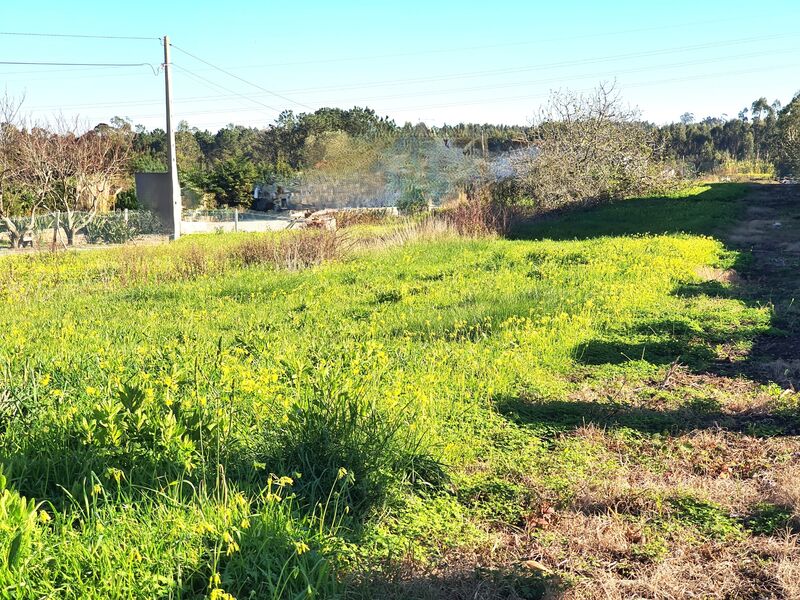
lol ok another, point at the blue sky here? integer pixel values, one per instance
(432, 61)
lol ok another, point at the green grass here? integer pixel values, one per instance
(703, 209)
(188, 426)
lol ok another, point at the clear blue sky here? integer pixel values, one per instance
(433, 61)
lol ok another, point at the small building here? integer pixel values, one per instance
(271, 196)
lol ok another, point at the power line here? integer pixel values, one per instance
(502, 100)
(442, 91)
(222, 87)
(544, 66)
(537, 41)
(255, 85)
(622, 87)
(567, 78)
(72, 64)
(77, 35)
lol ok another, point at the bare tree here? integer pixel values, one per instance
(12, 167)
(585, 147)
(87, 168)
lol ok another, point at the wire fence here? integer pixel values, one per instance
(220, 215)
(111, 227)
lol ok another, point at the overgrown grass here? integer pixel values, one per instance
(197, 422)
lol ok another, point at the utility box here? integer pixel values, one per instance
(154, 193)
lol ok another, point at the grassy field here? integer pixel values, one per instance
(563, 413)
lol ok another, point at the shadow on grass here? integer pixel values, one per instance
(767, 273)
(705, 213)
(616, 352)
(564, 415)
(512, 581)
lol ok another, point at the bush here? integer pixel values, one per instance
(586, 148)
(127, 199)
(367, 216)
(479, 217)
(412, 200)
(293, 251)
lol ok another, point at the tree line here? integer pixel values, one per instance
(578, 147)
(228, 162)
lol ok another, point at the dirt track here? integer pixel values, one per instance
(770, 233)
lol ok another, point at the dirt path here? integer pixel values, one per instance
(770, 232)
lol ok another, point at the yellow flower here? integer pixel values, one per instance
(44, 517)
(301, 547)
(220, 594)
(45, 381)
(232, 547)
(204, 527)
(115, 474)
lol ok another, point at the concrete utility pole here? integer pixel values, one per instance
(175, 186)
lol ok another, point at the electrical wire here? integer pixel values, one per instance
(77, 35)
(255, 85)
(537, 41)
(586, 90)
(72, 64)
(501, 100)
(543, 66)
(222, 87)
(442, 91)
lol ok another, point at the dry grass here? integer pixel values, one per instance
(621, 536)
(291, 252)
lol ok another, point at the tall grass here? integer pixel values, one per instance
(339, 436)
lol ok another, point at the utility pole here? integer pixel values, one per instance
(175, 187)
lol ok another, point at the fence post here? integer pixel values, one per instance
(56, 227)
(236, 219)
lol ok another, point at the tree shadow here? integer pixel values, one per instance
(565, 415)
(518, 581)
(617, 352)
(764, 273)
(704, 213)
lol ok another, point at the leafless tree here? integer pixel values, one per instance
(86, 168)
(585, 148)
(12, 168)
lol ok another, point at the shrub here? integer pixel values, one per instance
(350, 218)
(586, 148)
(479, 217)
(127, 199)
(115, 228)
(412, 200)
(293, 251)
